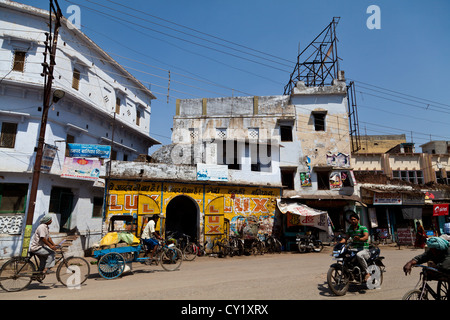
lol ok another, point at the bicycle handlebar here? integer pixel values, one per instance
(427, 267)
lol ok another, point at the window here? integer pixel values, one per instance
(8, 135)
(319, 121)
(13, 197)
(97, 209)
(138, 117)
(261, 157)
(286, 133)
(323, 180)
(231, 159)
(19, 61)
(413, 176)
(69, 139)
(287, 178)
(440, 178)
(76, 79)
(118, 102)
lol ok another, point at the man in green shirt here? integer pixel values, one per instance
(360, 237)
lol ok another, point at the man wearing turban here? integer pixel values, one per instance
(438, 256)
(42, 245)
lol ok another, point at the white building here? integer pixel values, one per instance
(103, 105)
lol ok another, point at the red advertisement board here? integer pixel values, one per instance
(440, 209)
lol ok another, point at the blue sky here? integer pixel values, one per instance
(401, 71)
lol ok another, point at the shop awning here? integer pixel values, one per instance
(308, 216)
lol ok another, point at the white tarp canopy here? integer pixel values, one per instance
(309, 216)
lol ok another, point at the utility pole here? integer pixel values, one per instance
(50, 47)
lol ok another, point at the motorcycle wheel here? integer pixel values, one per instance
(318, 246)
(302, 246)
(338, 281)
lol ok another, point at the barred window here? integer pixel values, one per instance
(19, 61)
(8, 135)
(13, 197)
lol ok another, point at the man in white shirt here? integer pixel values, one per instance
(150, 236)
(42, 245)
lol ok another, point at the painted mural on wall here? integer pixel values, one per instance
(338, 159)
(217, 204)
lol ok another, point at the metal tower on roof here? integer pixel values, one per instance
(318, 63)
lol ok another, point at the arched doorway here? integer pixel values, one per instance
(182, 216)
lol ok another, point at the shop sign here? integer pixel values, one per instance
(80, 168)
(440, 209)
(89, 150)
(48, 156)
(404, 236)
(212, 172)
(413, 198)
(387, 198)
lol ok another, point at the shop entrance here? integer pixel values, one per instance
(182, 216)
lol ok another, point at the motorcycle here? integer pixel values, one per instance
(308, 243)
(347, 270)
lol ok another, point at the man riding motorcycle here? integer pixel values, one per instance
(360, 237)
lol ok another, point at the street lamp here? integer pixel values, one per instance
(58, 95)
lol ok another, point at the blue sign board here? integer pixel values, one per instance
(77, 150)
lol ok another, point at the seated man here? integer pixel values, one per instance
(360, 237)
(150, 236)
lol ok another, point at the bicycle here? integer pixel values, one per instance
(17, 273)
(189, 249)
(237, 246)
(221, 246)
(168, 255)
(272, 244)
(425, 292)
(258, 247)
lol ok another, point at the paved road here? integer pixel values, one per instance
(286, 276)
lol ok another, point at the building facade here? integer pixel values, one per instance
(400, 187)
(236, 158)
(103, 105)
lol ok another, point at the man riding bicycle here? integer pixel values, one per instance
(437, 256)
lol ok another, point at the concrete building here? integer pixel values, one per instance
(103, 105)
(399, 187)
(235, 158)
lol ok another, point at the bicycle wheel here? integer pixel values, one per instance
(277, 246)
(190, 251)
(73, 272)
(415, 294)
(171, 259)
(16, 274)
(224, 248)
(111, 265)
(442, 290)
(257, 248)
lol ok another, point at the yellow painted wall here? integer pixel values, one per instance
(216, 203)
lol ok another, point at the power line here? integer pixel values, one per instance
(182, 39)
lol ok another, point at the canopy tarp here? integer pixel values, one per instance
(306, 216)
